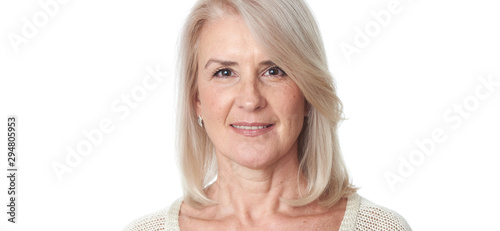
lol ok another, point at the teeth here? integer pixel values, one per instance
(250, 127)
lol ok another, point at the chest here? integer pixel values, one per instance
(323, 222)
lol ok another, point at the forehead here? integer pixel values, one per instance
(227, 36)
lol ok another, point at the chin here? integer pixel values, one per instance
(255, 159)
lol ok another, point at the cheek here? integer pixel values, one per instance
(213, 103)
(290, 104)
(296, 100)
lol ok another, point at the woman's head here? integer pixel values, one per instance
(283, 34)
(253, 112)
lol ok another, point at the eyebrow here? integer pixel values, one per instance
(221, 62)
(231, 63)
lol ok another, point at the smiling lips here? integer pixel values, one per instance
(251, 129)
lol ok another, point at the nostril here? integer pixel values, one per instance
(250, 97)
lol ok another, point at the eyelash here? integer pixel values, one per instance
(218, 71)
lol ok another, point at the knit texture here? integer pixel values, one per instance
(360, 214)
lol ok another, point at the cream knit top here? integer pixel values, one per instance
(360, 214)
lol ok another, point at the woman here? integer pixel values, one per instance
(258, 117)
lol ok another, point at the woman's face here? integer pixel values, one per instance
(252, 111)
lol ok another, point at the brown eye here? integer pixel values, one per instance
(223, 73)
(275, 71)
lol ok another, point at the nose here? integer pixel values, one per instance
(250, 97)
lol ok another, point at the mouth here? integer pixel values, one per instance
(251, 127)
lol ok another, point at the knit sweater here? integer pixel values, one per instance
(360, 214)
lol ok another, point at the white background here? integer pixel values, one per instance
(396, 89)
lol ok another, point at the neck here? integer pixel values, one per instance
(251, 194)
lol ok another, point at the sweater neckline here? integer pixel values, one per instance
(348, 221)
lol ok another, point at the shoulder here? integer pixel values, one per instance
(363, 214)
(165, 219)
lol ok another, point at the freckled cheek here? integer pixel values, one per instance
(290, 107)
(214, 105)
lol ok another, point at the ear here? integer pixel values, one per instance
(197, 103)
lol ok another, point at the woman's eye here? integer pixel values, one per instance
(223, 73)
(275, 71)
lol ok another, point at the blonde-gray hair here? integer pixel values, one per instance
(288, 31)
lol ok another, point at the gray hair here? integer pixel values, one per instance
(288, 30)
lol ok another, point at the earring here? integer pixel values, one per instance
(200, 121)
